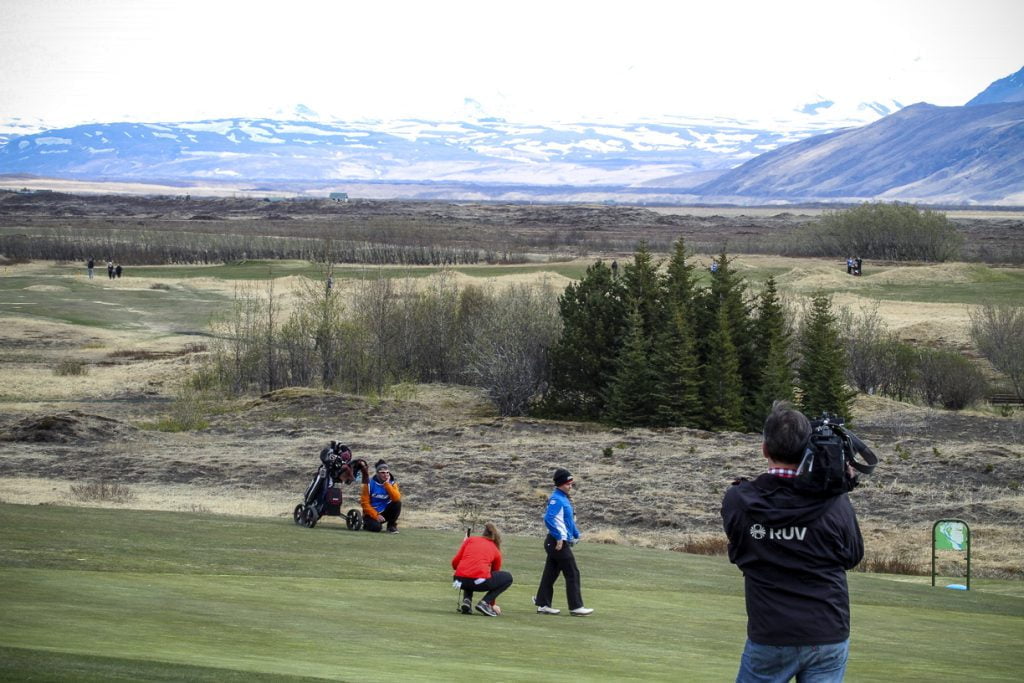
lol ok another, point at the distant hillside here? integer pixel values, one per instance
(270, 151)
(921, 153)
(1009, 89)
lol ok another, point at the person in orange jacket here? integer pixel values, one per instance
(381, 500)
(477, 566)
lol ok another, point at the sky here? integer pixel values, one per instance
(75, 61)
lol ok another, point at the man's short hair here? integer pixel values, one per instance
(786, 431)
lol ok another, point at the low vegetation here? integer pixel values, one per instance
(70, 367)
(891, 232)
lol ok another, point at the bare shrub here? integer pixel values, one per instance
(894, 562)
(997, 331)
(70, 367)
(948, 380)
(470, 513)
(161, 286)
(507, 354)
(103, 491)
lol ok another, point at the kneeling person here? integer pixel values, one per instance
(381, 500)
(477, 567)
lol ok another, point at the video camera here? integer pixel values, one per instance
(830, 450)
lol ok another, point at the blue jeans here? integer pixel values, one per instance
(780, 663)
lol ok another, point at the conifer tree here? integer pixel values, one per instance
(645, 289)
(724, 300)
(680, 283)
(633, 396)
(674, 354)
(822, 371)
(583, 360)
(772, 346)
(722, 389)
(678, 374)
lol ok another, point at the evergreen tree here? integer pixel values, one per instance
(645, 290)
(771, 341)
(725, 300)
(822, 371)
(680, 283)
(675, 350)
(633, 395)
(678, 374)
(721, 383)
(583, 360)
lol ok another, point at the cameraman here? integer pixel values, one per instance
(793, 549)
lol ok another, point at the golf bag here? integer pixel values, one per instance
(323, 495)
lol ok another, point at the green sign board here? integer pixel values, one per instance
(952, 535)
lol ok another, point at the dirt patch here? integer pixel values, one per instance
(72, 427)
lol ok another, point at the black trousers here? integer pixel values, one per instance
(391, 513)
(495, 586)
(559, 562)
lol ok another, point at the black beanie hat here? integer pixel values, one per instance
(562, 476)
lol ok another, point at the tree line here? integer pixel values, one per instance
(157, 247)
(650, 347)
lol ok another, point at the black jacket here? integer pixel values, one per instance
(794, 551)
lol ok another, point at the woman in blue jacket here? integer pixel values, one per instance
(562, 535)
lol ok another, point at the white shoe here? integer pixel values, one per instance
(548, 610)
(580, 611)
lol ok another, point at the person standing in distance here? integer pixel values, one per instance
(562, 535)
(794, 549)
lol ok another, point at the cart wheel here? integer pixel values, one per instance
(299, 514)
(311, 517)
(354, 520)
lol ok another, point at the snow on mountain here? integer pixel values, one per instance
(491, 150)
(1009, 89)
(922, 153)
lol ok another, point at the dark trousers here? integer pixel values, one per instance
(391, 513)
(495, 586)
(559, 562)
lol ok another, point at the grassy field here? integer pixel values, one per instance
(93, 594)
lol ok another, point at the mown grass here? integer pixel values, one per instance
(119, 306)
(94, 594)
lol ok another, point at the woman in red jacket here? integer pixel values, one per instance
(477, 566)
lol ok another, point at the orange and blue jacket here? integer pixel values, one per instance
(376, 496)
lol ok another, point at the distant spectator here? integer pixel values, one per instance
(91, 267)
(117, 271)
(615, 269)
(857, 264)
(330, 283)
(381, 500)
(714, 266)
(110, 269)
(849, 265)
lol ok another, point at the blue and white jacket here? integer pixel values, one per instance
(559, 517)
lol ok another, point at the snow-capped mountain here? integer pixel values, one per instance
(823, 151)
(922, 153)
(481, 151)
(1009, 89)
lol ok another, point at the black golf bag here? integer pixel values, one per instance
(323, 495)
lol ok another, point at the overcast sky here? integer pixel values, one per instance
(72, 61)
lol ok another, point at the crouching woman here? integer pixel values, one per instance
(477, 566)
